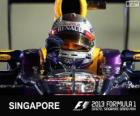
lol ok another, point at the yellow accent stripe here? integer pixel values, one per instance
(44, 53)
(58, 8)
(83, 8)
(96, 56)
(136, 50)
(3, 50)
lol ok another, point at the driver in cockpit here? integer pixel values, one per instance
(71, 42)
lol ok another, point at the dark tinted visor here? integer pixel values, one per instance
(75, 41)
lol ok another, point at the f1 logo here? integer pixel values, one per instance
(81, 105)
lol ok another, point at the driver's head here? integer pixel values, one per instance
(76, 32)
(74, 37)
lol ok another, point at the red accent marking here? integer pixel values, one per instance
(89, 36)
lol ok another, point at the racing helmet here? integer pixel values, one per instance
(78, 37)
(76, 32)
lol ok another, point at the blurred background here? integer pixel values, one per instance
(31, 22)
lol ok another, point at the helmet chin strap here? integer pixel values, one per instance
(74, 58)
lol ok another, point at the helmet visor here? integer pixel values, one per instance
(75, 41)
